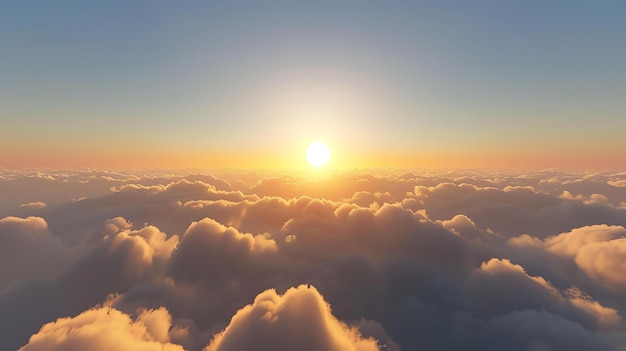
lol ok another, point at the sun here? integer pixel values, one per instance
(317, 154)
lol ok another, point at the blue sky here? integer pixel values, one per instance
(395, 77)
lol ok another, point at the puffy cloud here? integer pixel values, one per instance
(30, 224)
(28, 249)
(119, 261)
(605, 262)
(500, 286)
(298, 320)
(209, 250)
(113, 266)
(598, 250)
(106, 329)
(513, 211)
(496, 286)
(571, 242)
(465, 227)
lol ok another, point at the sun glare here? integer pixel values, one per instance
(317, 154)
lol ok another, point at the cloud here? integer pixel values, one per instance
(33, 205)
(571, 242)
(500, 286)
(114, 265)
(605, 316)
(106, 329)
(298, 320)
(28, 249)
(420, 259)
(209, 249)
(605, 262)
(30, 224)
(621, 183)
(513, 211)
(598, 250)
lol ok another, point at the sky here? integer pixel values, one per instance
(158, 189)
(158, 84)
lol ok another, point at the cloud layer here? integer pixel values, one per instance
(377, 260)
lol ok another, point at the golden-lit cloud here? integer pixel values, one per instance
(572, 242)
(298, 320)
(28, 250)
(105, 329)
(604, 262)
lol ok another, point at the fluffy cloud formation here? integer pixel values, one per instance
(597, 250)
(605, 262)
(494, 287)
(298, 320)
(571, 242)
(105, 329)
(442, 260)
(28, 249)
(209, 251)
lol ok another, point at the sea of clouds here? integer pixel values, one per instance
(356, 260)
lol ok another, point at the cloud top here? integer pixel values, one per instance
(298, 320)
(105, 329)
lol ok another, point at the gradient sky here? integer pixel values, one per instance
(405, 84)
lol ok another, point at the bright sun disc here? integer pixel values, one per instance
(317, 154)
